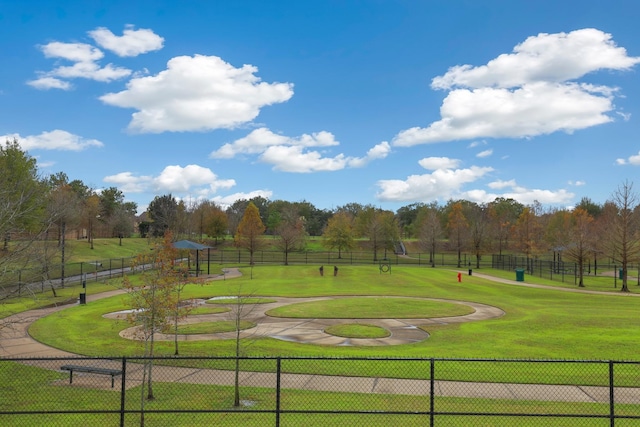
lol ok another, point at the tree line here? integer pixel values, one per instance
(53, 207)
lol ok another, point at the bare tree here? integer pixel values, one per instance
(291, 232)
(458, 229)
(429, 230)
(624, 241)
(242, 308)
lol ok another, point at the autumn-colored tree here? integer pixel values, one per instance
(154, 302)
(478, 218)
(339, 234)
(503, 214)
(458, 227)
(250, 230)
(580, 240)
(527, 231)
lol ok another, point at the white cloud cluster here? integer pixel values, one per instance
(191, 179)
(53, 140)
(526, 196)
(290, 154)
(445, 180)
(633, 160)
(528, 92)
(84, 57)
(197, 93)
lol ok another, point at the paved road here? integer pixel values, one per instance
(16, 343)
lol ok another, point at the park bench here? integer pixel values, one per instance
(91, 370)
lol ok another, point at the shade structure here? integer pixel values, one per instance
(188, 244)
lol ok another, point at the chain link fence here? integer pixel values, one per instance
(566, 272)
(251, 391)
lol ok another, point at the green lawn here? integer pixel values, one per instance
(357, 330)
(54, 395)
(538, 324)
(371, 308)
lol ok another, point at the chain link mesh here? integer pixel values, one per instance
(185, 391)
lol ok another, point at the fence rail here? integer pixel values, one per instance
(33, 280)
(561, 270)
(284, 391)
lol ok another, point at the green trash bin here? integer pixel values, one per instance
(520, 275)
(621, 274)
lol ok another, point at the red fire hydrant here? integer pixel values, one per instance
(459, 277)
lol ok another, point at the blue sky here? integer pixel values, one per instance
(374, 102)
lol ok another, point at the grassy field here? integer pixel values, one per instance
(22, 380)
(538, 324)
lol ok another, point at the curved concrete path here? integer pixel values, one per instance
(311, 331)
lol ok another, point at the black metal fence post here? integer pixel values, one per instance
(278, 375)
(123, 390)
(432, 387)
(612, 402)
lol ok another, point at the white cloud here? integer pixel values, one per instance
(260, 139)
(131, 43)
(173, 179)
(521, 194)
(180, 180)
(291, 154)
(85, 57)
(129, 183)
(74, 52)
(546, 57)
(475, 144)
(85, 65)
(226, 201)
(534, 109)
(45, 83)
(54, 140)
(434, 163)
(527, 93)
(485, 153)
(442, 183)
(91, 71)
(499, 184)
(197, 93)
(633, 160)
(379, 151)
(293, 159)
(577, 183)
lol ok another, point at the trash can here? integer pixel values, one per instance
(621, 274)
(520, 275)
(470, 272)
(83, 298)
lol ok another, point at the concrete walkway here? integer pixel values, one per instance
(16, 343)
